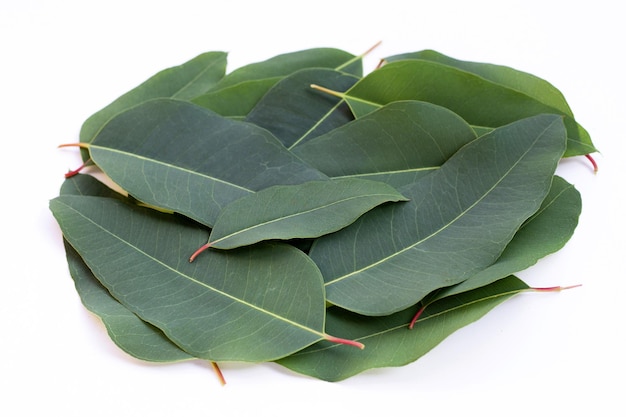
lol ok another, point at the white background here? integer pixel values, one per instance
(545, 354)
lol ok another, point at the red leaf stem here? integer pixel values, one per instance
(334, 339)
(593, 162)
(417, 315)
(199, 251)
(218, 372)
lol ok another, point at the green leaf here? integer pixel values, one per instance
(545, 232)
(306, 210)
(388, 339)
(236, 101)
(252, 304)
(181, 157)
(458, 221)
(531, 85)
(295, 113)
(397, 144)
(131, 334)
(285, 64)
(183, 82)
(479, 101)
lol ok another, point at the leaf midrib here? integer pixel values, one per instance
(193, 280)
(436, 232)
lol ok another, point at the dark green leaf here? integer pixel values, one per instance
(131, 334)
(458, 221)
(397, 144)
(388, 339)
(285, 64)
(306, 210)
(479, 101)
(181, 157)
(253, 304)
(182, 82)
(295, 113)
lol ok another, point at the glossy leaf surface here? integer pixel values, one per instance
(458, 221)
(479, 101)
(295, 113)
(248, 305)
(388, 339)
(397, 144)
(181, 157)
(181, 82)
(306, 210)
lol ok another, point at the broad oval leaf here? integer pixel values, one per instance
(478, 100)
(252, 304)
(306, 210)
(458, 221)
(397, 144)
(184, 82)
(181, 157)
(295, 113)
(390, 342)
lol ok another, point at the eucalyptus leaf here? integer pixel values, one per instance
(398, 143)
(236, 101)
(288, 63)
(295, 113)
(458, 221)
(306, 210)
(184, 82)
(131, 334)
(531, 85)
(181, 157)
(389, 341)
(479, 101)
(252, 304)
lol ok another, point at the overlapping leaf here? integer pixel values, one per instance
(478, 100)
(181, 82)
(181, 157)
(295, 113)
(251, 304)
(397, 144)
(307, 210)
(458, 221)
(389, 341)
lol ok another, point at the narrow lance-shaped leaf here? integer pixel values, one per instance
(131, 334)
(458, 221)
(182, 82)
(184, 158)
(390, 343)
(545, 232)
(295, 113)
(398, 143)
(479, 101)
(306, 210)
(253, 304)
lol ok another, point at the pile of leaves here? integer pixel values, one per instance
(299, 211)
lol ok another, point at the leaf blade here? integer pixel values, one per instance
(306, 210)
(398, 254)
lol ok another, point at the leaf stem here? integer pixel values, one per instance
(593, 162)
(554, 289)
(218, 372)
(328, 91)
(71, 173)
(199, 251)
(417, 316)
(339, 340)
